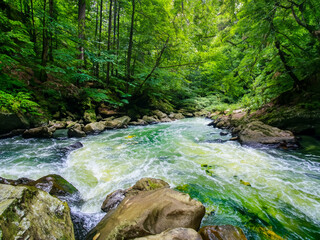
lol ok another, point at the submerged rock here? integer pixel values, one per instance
(226, 232)
(149, 213)
(174, 234)
(39, 132)
(29, 213)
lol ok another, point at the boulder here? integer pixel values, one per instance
(55, 185)
(95, 127)
(75, 132)
(149, 213)
(166, 119)
(120, 122)
(144, 184)
(29, 213)
(257, 132)
(12, 121)
(176, 116)
(106, 112)
(20, 181)
(58, 124)
(90, 116)
(226, 232)
(13, 133)
(160, 114)
(174, 234)
(150, 119)
(202, 113)
(39, 132)
(139, 122)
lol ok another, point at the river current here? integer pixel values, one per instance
(283, 200)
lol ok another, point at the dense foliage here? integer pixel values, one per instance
(58, 56)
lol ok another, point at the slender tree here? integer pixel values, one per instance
(81, 26)
(128, 70)
(109, 40)
(45, 44)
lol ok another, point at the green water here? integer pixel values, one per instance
(282, 201)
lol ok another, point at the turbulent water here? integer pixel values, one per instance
(282, 201)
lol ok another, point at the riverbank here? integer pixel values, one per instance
(191, 157)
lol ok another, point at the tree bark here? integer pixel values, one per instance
(109, 41)
(51, 17)
(115, 8)
(128, 72)
(100, 39)
(81, 26)
(45, 45)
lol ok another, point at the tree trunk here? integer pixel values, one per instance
(81, 26)
(118, 37)
(115, 8)
(130, 45)
(51, 30)
(109, 40)
(45, 45)
(100, 33)
(34, 36)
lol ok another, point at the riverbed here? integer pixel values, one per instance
(266, 192)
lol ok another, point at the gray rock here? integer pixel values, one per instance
(121, 122)
(95, 127)
(39, 132)
(150, 119)
(29, 213)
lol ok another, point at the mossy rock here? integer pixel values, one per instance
(55, 185)
(30, 213)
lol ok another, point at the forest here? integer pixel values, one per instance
(58, 56)
(160, 119)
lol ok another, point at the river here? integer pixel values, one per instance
(282, 201)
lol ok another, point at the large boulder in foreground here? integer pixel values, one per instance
(144, 184)
(149, 213)
(174, 234)
(226, 232)
(29, 213)
(257, 132)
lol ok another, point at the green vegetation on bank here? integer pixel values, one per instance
(59, 57)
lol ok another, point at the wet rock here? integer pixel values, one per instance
(20, 181)
(224, 133)
(202, 113)
(166, 119)
(258, 132)
(113, 200)
(160, 114)
(226, 232)
(72, 147)
(149, 213)
(13, 133)
(58, 124)
(29, 213)
(39, 132)
(12, 121)
(95, 127)
(55, 185)
(150, 119)
(75, 132)
(90, 116)
(176, 234)
(144, 184)
(176, 116)
(121, 122)
(139, 122)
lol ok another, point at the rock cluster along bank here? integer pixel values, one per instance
(13, 124)
(149, 210)
(254, 133)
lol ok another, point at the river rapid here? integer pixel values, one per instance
(282, 201)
